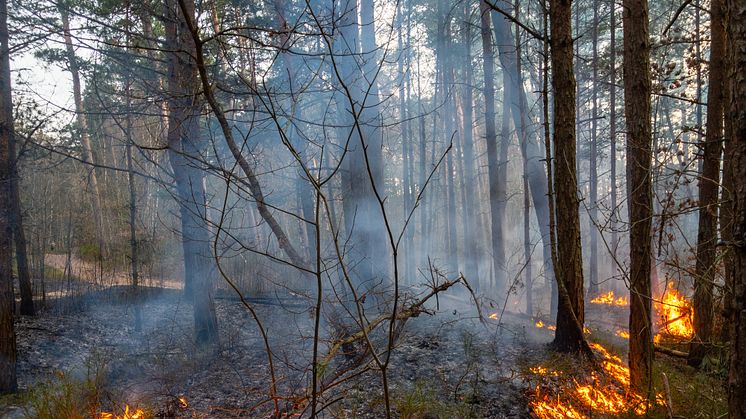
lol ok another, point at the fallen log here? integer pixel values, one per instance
(670, 352)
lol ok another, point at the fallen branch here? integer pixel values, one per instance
(670, 352)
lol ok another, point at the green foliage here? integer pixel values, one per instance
(694, 393)
(422, 401)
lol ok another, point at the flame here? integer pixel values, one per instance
(183, 403)
(543, 371)
(622, 334)
(606, 394)
(539, 324)
(545, 407)
(552, 327)
(676, 314)
(134, 414)
(608, 299)
(493, 316)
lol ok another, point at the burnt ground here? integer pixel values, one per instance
(445, 365)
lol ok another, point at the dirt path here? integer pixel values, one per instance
(91, 273)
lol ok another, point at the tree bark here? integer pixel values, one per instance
(569, 272)
(736, 35)
(184, 149)
(472, 253)
(19, 236)
(637, 89)
(708, 192)
(8, 379)
(491, 140)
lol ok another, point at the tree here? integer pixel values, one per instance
(569, 271)
(491, 137)
(73, 65)
(8, 381)
(708, 191)
(531, 151)
(185, 154)
(639, 186)
(736, 35)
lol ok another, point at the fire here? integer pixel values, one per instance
(539, 324)
(676, 314)
(605, 394)
(493, 316)
(543, 371)
(622, 334)
(608, 299)
(134, 414)
(183, 403)
(552, 327)
(545, 407)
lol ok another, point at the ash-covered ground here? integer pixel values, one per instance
(445, 365)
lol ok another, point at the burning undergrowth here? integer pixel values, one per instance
(564, 388)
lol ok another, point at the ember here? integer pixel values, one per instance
(608, 299)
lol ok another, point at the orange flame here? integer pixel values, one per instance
(183, 403)
(608, 299)
(607, 395)
(676, 314)
(622, 334)
(539, 324)
(134, 414)
(493, 316)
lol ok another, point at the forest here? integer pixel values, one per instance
(372, 208)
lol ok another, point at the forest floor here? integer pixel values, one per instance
(446, 365)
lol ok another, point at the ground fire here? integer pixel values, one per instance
(128, 413)
(610, 299)
(568, 395)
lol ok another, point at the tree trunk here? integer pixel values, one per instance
(639, 187)
(491, 141)
(708, 192)
(472, 254)
(184, 149)
(736, 34)
(19, 236)
(569, 272)
(82, 120)
(593, 160)
(8, 380)
(612, 128)
(531, 149)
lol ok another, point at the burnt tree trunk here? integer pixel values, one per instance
(639, 187)
(708, 192)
